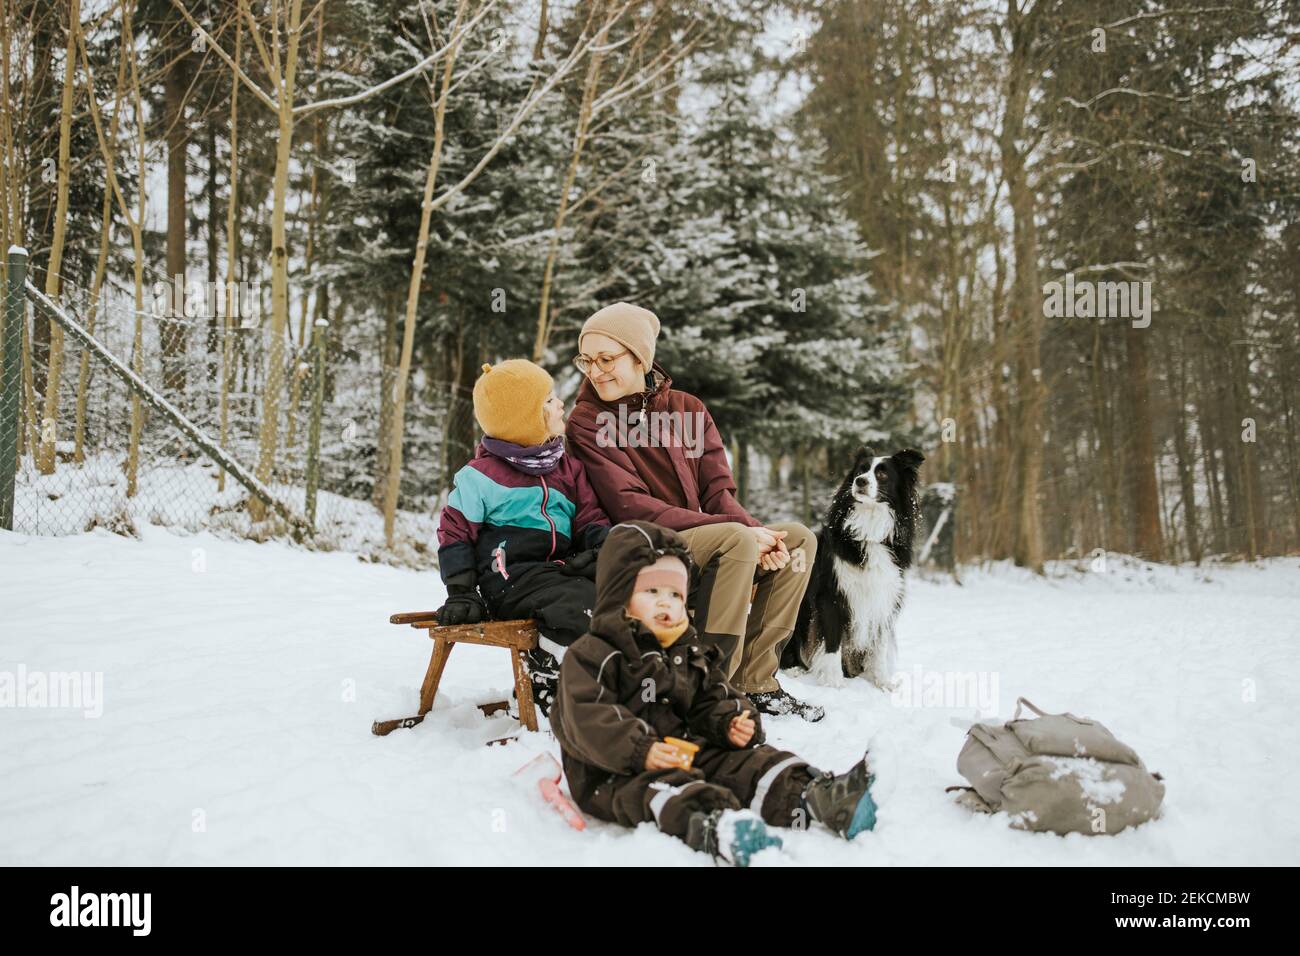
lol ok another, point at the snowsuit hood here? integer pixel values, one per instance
(627, 549)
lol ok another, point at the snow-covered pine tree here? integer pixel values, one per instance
(479, 276)
(759, 278)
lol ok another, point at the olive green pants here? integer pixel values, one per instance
(750, 634)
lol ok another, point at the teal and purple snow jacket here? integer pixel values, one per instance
(500, 521)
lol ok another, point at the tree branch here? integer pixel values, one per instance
(256, 90)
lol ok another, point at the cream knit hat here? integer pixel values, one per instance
(630, 325)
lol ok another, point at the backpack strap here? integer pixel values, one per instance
(969, 798)
(1021, 701)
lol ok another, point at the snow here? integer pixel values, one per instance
(183, 496)
(240, 680)
(1091, 775)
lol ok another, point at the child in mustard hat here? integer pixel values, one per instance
(519, 532)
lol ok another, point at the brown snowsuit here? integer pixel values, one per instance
(620, 692)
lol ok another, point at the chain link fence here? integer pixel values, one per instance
(93, 428)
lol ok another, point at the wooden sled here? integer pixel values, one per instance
(517, 636)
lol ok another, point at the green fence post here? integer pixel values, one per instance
(11, 381)
(313, 431)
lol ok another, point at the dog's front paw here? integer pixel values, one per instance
(827, 670)
(887, 684)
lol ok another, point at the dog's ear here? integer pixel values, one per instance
(909, 458)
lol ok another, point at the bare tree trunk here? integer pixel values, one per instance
(413, 289)
(740, 452)
(1186, 463)
(1228, 429)
(1026, 309)
(137, 246)
(1027, 319)
(801, 478)
(97, 284)
(269, 432)
(1109, 454)
(1290, 367)
(38, 61)
(45, 456)
(1000, 542)
(1207, 426)
(173, 330)
(1148, 542)
(387, 384)
(11, 198)
(579, 142)
(135, 222)
(543, 23)
(232, 254)
(213, 340)
(1255, 534)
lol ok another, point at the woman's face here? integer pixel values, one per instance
(625, 375)
(553, 411)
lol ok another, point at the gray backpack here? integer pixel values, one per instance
(1056, 772)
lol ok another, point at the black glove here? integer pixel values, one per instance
(463, 604)
(582, 564)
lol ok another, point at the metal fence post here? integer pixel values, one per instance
(313, 431)
(11, 381)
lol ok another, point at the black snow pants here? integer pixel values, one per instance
(763, 779)
(560, 603)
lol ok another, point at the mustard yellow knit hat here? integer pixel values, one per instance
(508, 400)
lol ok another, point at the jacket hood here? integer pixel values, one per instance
(629, 547)
(653, 397)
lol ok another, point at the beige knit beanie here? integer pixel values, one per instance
(630, 325)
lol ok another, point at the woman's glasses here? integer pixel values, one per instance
(603, 362)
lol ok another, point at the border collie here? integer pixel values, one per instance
(856, 590)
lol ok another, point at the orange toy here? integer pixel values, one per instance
(685, 748)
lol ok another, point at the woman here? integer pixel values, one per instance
(653, 454)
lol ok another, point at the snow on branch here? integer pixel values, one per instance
(1142, 94)
(522, 114)
(406, 74)
(306, 108)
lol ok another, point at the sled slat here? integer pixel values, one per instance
(517, 635)
(415, 617)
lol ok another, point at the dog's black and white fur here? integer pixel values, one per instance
(846, 621)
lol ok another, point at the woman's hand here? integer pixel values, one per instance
(773, 555)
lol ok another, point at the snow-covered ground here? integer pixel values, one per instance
(239, 681)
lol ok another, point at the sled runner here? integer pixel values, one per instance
(517, 636)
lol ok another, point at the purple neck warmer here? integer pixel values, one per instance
(535, 460)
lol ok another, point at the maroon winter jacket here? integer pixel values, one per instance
(670, 470)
